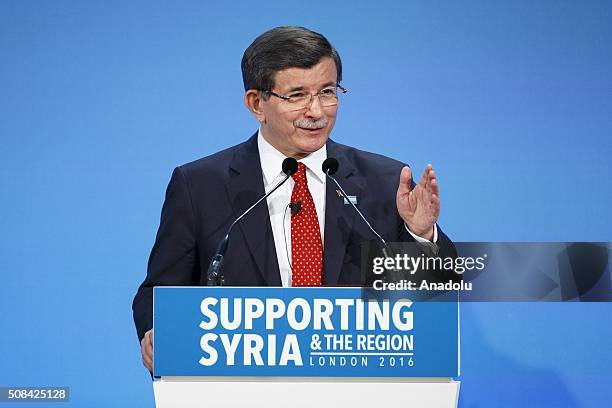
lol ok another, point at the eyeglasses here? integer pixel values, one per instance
(300, 100)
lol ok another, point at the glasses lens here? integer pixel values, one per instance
(327, 97)
(330, 99)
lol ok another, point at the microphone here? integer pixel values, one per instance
(214, 275)
(330, 167)
(295, 207)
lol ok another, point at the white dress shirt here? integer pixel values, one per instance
(271, 165)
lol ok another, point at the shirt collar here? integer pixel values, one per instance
(272, 160)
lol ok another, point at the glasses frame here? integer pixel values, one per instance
(342, 89)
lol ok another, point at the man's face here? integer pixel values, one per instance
(299, 133)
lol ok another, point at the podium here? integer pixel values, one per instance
(302, 347)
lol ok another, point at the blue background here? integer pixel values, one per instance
(511, 101)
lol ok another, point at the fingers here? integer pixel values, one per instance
(435, 206)
(434, 195)
(146, 349)
(426, 193)
(405, 181)
(435, 202)
(431, 192)
(425, 177)
(430, 182)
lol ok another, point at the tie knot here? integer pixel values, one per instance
(300, 176)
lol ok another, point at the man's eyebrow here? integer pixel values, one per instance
(301, 88)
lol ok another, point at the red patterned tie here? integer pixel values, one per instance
(306, 245)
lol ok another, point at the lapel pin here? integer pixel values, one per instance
(353, 199)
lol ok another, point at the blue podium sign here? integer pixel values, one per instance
(301, 332)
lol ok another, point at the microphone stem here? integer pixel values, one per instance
(280, 183)
(385, 247)
(214, 275)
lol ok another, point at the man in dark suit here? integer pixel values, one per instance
(292, 87)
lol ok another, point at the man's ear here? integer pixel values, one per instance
(252, 100)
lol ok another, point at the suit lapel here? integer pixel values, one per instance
(339, 217)
(245, 188)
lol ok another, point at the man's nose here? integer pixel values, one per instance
(314, 108)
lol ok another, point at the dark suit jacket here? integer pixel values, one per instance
(205, 196)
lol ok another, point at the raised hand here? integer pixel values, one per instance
(419, 207)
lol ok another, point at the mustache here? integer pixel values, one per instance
(311, 124)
